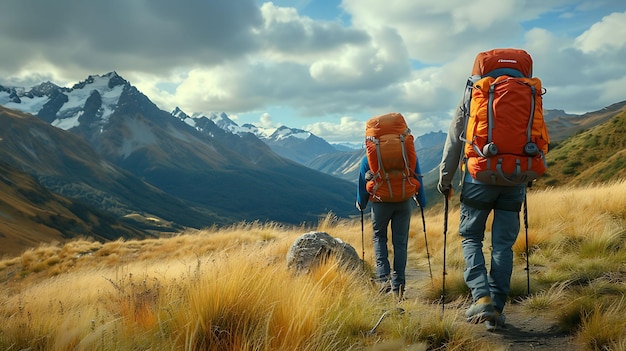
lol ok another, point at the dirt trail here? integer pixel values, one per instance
(524, 330)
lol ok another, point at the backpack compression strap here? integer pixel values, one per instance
(380, 166)
(406, 173)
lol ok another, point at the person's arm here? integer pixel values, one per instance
(451, 151)
(362, 196)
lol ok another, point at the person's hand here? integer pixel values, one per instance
(416, 198)
(446, 190)
(443, 188)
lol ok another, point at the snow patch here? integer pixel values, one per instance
(140, 136)
(68, 122)
(28, 105)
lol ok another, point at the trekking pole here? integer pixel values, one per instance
(430, 270)
(527, 251)
(362, 240)
(445, 232)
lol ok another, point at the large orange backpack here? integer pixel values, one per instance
(392, 159)
(506, 136)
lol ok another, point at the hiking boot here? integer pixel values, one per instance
(480, 311)
(497, 322)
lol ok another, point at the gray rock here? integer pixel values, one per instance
(313, 248)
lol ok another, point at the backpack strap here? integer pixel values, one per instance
(406, 172)
(516, 173)
(376, 142)
(405, 158)
(532, 112)
(490, 121)
(531, 121)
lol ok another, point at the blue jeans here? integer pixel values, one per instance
(399, 215)
(478, 200)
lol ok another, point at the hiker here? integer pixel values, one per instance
(390, 204)
(496, 191)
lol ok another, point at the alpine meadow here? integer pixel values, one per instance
(230, 289)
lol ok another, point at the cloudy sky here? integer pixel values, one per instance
(324, 66)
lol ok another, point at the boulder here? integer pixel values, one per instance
(313, 248)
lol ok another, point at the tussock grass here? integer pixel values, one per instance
(229, 288)
(578, 260)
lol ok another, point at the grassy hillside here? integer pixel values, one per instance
(562, 125)
(593, 156)
(30, 214)
(230, 289)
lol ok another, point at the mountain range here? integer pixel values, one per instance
(105, 144)
(122, 167)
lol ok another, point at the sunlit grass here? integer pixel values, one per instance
(230, 288)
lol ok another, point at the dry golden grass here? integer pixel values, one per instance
(230, 289)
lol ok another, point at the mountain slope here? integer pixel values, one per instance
(562, 125)
(65, 164)
(31, 215)
(343, 165)
(596, 155)
(234, 176)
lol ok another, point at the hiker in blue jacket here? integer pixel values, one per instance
(399, 215)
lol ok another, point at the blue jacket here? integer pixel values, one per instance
(362, 196)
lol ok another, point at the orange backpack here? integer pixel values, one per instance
(392, 159)
(506, 136)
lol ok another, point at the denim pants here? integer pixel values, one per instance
(478, 200)
(399, 215)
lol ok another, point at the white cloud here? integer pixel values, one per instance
(348, 129)
(265, 121)
(421, 123)
(609, 34)
(438, 31)
(411, 56)
(376, 65)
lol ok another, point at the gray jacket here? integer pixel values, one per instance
(453, 148)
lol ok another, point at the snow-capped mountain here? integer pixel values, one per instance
(298, 145)
(94, 99)
(199, 121)
(292, 143)
(233, 175)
